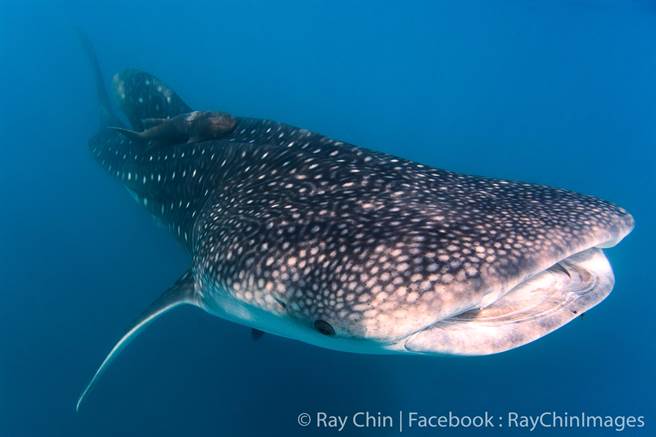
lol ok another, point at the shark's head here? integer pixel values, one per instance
(354, 250)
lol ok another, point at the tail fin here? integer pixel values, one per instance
(107, 116)
(182, 292)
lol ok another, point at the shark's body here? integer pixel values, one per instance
(296, 234)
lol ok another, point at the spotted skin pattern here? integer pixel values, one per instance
(311, 229)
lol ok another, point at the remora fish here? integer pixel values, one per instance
(299, 235)
(193, 127)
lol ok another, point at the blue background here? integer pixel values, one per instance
(559, 92)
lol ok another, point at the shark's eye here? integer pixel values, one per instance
(324, 327)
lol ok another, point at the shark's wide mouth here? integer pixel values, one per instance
(530, 310)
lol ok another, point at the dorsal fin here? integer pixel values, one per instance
(143, 96)
(182, 292)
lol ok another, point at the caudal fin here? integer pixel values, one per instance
(182, 292)
(143, 96)
(107, 115)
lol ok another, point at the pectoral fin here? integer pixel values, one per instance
(182, 292)
(530, 311)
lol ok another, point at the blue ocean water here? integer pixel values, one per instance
(561, 93)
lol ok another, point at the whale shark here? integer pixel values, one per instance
(299, 235)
